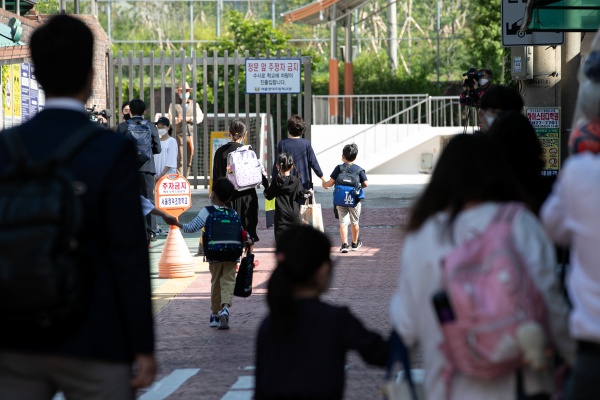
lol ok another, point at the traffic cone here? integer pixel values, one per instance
(175, 260)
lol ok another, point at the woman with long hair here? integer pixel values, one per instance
(470, 183)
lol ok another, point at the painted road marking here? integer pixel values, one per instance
(169, 384)
(168, 291)
(242, 389)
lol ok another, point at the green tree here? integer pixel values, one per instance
(484, 41)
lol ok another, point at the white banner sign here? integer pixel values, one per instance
(273, 75)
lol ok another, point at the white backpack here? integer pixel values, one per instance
(244, 169)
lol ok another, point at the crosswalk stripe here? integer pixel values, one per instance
(242, 389)
(169, 384)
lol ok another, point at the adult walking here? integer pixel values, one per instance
(244, 202)
(148, 146)
(95, 358)
(305, 160)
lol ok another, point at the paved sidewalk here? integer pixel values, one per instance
(199, 362)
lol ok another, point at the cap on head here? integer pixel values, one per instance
(184, 86)
(585, 137)
(164, 121)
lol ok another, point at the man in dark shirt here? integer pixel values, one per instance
(147, 170)
(95, 358)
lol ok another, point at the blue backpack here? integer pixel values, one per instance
(348, 190)
(139, 132)
(222, 237)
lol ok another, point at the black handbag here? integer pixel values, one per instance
(243, 280)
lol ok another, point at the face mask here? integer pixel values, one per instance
(187, 96)
(163, 131)
(489, 120)
(126, 116)
(483, 81)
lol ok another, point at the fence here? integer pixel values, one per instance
(215, 83)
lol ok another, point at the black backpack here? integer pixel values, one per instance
(43, 284)
(222, 237)
(139, 132)
(346, 177)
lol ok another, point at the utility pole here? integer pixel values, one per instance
(393, 34)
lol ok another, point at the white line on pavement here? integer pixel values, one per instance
(243, 389)
(169, 384)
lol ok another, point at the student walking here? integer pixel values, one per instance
(349, 214)
(464, 196)
(302, 343)
(229, 242)
(244, 202)
(166, 160)
(288, 190)
(301, 151)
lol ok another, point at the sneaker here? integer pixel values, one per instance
(356, 246)
(224, 318)
(214, 320)
(344, 248)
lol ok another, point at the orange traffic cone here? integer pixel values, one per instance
(175, 260)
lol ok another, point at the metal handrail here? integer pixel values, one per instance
(374, 126)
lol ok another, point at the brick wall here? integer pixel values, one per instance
(101, 49)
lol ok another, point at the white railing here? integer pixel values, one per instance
(438, 111)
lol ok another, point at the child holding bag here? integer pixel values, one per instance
(302, 343)
(288, 189)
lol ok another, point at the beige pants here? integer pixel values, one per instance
(189, 149)
(222, 283)
(39, 377)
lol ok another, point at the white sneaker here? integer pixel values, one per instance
(224, 318)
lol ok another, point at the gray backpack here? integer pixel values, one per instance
(139, 132)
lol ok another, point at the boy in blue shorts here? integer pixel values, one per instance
(350, 180)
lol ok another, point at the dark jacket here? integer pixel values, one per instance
(148, 166)
(305, 159)
(119, 323)
(309, 363)
(288, 190)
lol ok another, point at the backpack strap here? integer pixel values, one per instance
(506, 212)
(74, 142)
(399, 352)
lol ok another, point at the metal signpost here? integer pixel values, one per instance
(513, 12)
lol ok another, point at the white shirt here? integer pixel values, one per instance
(571, 215)
(167, 157)
(414, 318)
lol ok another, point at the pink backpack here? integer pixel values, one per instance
(495, 303)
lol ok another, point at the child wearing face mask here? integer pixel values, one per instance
(166, 160)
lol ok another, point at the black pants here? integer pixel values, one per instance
(245, 203)
(584, 382)
(146, 181)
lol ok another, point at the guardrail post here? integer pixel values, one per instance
(428, 108)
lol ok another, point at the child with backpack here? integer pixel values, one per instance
(223, 239)
(302, 343)
(349, 180)
(484, 326)
(288, 189)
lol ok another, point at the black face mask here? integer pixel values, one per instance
(126, 117)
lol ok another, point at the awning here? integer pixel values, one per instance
(321, 12)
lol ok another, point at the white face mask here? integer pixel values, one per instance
(187, 95)
(483, 81)
(163, 131)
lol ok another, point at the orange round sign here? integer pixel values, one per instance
(173, 194)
